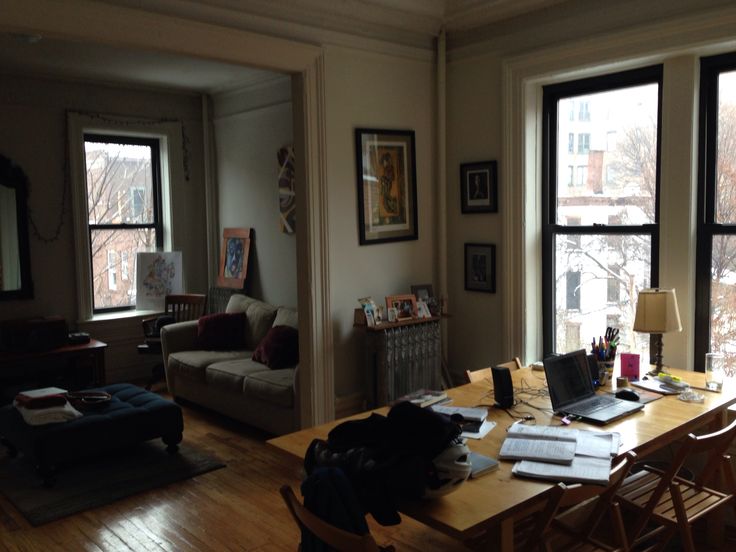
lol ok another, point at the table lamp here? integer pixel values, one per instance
(657, 313)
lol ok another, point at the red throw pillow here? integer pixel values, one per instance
(221, 331)
(279, 349)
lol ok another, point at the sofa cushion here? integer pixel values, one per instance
(192, 364)
(221, 331)
(275, 386)
(279, 349)
(260, 317)
(286, 317)
(230, 374)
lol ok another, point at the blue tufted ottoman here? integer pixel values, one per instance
(132, 416)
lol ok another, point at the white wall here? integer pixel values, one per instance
(248, 135)
(374, 91)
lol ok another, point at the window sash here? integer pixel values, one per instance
(550, 228)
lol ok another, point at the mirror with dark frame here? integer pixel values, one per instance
(15, 256)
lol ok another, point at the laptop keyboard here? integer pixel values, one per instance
(593, 404)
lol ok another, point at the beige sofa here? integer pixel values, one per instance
(229, 381)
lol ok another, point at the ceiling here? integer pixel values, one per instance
(413, 22)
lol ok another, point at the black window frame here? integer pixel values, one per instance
(707, 227)
(156, 225)
(551, 95)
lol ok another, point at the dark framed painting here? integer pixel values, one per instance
(387, 185)
(480, 267)
(234, 257)
(479, 187)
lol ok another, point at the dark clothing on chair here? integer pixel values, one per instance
(329, 495)
(385, 457)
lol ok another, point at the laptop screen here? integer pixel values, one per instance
(568, 378)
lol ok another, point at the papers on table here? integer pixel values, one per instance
(544, 453)
(468, 413)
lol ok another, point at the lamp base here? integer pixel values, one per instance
(658, 368)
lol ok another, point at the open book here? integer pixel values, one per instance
(542, 443)
(591, 463)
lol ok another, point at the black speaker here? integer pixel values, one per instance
(503, 389)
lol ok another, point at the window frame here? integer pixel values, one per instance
(173, 169)
(710, 69)
(156, 225)
(551, 94)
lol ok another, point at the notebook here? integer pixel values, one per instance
(571, 391)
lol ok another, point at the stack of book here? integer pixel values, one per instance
(560, 454)
(424, 397)
(473, 420)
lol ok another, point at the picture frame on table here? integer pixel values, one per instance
(480, 267)
(479, 187)
(422, 291)
(234, 253)
(387, 185)
(405, 305)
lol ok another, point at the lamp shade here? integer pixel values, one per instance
(657, 312)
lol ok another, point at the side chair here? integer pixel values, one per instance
(674, 502)
(340, 540)
(485, 373)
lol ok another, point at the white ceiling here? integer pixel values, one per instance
(413, 22)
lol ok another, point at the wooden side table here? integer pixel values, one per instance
(52, 363)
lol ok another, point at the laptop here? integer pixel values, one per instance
(571, 391)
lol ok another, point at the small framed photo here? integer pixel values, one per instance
(422, 292)
(405, 305)
(387, 185)
(423, 309)
(393, 314)
(480, 267)
(234, 257)
(479, 187)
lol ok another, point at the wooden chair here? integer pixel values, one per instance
(546, 529)
(339, 539)
(675, 502)
(585, 506)
(484, 374)
(177, 308)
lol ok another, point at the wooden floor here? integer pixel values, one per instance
(236, 508)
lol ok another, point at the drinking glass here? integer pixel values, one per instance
(714, 371)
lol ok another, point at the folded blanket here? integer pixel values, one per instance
(53, 414)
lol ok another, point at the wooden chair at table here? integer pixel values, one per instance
(177, 308)
(674, 502)
(484, 374)
(573, 529)
(341, 540)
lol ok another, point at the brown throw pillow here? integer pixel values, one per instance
(279, 349)
(221, 331)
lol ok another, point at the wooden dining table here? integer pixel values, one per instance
(490, 504)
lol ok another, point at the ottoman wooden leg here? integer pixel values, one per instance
(172, 443)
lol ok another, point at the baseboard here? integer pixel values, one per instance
(347, 405)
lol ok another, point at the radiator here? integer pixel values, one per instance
(402, 358)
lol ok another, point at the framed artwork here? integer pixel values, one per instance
(405, 305)
(480, 267)
(234, 257)
(158, 274)
(422, 291)
(479, 187)
(387, 185)
(287, 193)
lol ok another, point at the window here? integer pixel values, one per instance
(715, 315)
(571, 142)
(621, 240)
(123, 176)
(584, 111)
(583, 143)
(582, 175)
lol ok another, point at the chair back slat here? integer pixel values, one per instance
(338, 539)
(186, 306)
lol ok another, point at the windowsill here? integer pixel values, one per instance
(119, 315)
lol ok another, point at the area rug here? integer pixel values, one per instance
(99, 480)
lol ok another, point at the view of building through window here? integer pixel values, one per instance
(723, 252)
(606, 168)
(122, 213)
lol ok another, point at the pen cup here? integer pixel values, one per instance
(605, 367)
(714, 371)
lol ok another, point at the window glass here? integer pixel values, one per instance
(616, 156)
(726, 150)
